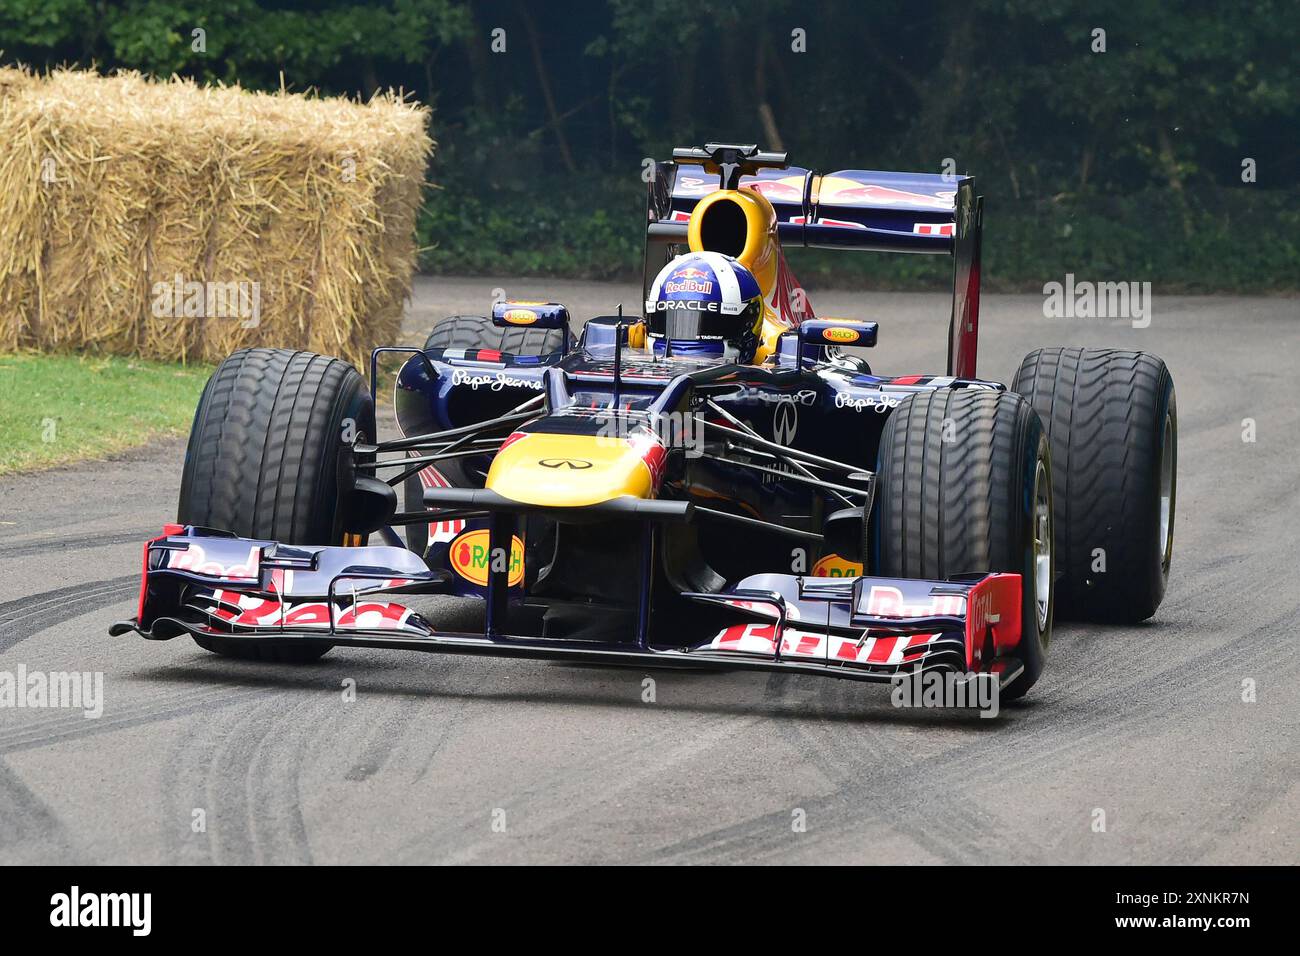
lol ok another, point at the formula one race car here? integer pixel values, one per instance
(716, 483)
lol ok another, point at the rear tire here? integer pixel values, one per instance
(478, 332)
(472, 332)
(1112, 420)
(965, 488)
(263, 459)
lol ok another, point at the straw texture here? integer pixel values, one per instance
(178, 221)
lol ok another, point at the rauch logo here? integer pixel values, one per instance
(469, 555)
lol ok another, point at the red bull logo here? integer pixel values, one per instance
(788, 189)
(689, 279)
(839, 190)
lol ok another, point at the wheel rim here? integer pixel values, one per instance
(1168, 454)
(1042, 546)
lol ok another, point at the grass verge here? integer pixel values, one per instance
(56, 409)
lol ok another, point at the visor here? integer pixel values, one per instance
(682, 324)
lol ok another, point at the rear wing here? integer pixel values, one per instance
(862, 209)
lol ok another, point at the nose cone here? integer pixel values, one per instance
(574, 470)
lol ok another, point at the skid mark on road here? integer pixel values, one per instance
(564, 802)
(253, 815)
(948, 829)
(404, 724)
(273, 780)
(562, 809)
(30, 832)
(54, 727)
(867, 764)
(246, 766)
(923, 797)
(84, 541)
(26, 616)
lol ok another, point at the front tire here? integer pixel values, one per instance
(263, 459)
(1112, 420)
(965, 488)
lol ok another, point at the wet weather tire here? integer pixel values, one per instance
(965, 488)
(263, 459)
(478, 332)
(1112, 420)
(472, 332)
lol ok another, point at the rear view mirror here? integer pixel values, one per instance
(530, 315)
(838, 332)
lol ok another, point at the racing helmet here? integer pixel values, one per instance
(706, 304)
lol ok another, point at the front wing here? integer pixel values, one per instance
(207, 583)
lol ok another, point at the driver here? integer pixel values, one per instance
(707, 305)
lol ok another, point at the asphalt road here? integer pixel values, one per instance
(474, 760)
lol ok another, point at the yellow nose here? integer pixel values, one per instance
(570, 470)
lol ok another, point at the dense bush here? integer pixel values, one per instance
(1241, 239)
(1141, 138)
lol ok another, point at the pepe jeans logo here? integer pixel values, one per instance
(876, 403)
(494, 382)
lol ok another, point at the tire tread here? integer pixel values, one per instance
(1103, 411)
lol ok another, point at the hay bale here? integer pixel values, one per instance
(177, 221)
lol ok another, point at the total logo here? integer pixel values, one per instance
(469, 557)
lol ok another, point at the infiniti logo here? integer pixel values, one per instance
(573, 464)
(785, 422)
